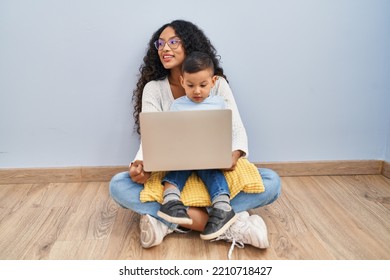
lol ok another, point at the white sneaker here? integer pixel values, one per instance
(153, 231)
(246, 230)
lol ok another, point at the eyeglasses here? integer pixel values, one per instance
(173, 43)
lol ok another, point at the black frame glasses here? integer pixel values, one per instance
(173, 43)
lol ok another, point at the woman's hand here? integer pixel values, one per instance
(137, 173)
(235, 156)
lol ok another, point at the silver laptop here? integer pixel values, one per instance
(186, 140)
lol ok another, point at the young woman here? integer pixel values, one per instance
(158, 85)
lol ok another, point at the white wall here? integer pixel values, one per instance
(311, 78)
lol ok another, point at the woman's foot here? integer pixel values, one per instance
(247, 229)
(153, 231)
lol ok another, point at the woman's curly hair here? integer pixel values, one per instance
(192, 39)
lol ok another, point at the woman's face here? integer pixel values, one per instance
(170, 56)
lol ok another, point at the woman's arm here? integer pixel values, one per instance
(239, 137)
(152, 101)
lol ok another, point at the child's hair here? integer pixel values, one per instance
(197, 61)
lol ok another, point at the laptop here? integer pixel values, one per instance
(186, 140)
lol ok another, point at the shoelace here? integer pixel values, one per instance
(228, 236)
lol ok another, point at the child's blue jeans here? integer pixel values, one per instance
(213, 179)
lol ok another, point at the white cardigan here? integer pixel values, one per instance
(157, 96)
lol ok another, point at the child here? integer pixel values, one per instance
(197, 79)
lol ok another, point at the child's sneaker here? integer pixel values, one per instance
(175, 212)
(219, 221)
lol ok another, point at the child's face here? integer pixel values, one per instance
(198, 85)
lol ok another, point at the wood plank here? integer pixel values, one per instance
(78, 249)
(37, 246)
(92, 217)
(290, 234)
(124, 240)
(18, 231)
(341, 231)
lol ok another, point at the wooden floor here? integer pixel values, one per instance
(322, 217)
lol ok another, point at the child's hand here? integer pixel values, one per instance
(137, 173)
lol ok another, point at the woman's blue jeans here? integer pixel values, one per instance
(213, 179)
(127, 194)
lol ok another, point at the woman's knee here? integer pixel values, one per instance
(271, 181)
(116, 180)
(118, 183)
